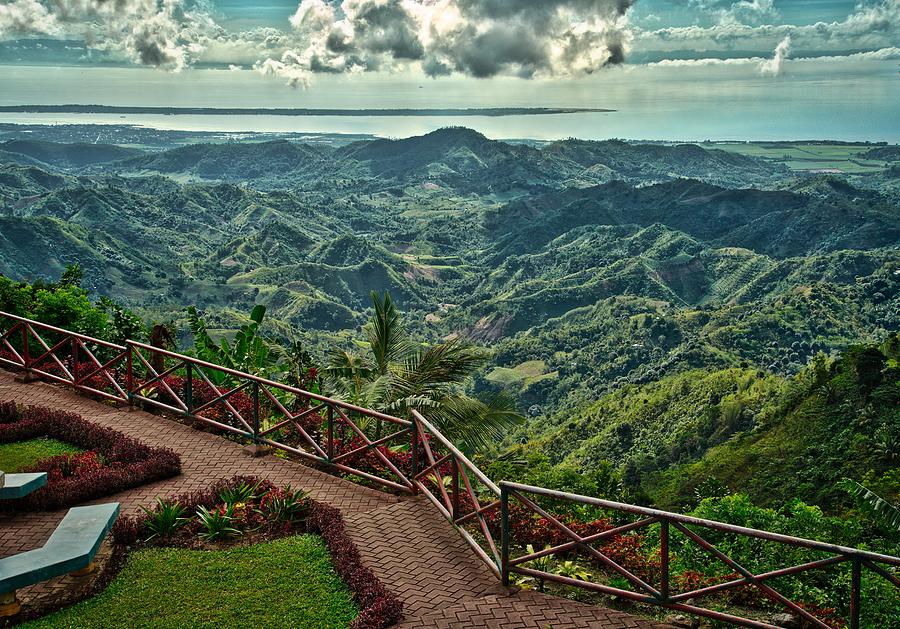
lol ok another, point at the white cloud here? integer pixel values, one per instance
(871, 25)
(161, 33)
(775, 65)
(480, 38)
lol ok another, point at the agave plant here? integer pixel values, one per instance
(398, 375)
(240, 493)
(288, 508)
(165, 518)
(218, 523)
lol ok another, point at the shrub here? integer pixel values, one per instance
(165, 519)
(114, 462)
(218, 523)
(379, 607)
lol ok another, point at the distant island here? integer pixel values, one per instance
(238, 111)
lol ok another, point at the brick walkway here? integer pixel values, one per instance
(415, 552)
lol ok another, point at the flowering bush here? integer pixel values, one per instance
(67, 465)
(113, 461)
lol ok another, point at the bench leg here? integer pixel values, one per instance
(84, 571)
(9, 604)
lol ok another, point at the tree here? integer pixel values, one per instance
(398, 375)
(249, 352)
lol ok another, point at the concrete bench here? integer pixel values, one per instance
(20, 485)
(71, 548)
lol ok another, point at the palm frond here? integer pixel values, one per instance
(437, 366)
(471, 422)
(881, 509)
(387, 334)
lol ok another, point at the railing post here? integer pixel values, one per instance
(330, 449)
(855, 587)
(504, 534)
(129, 372)
(414, 451)
(27, 375)
(255, 411)
(75, 377)
(664, 560)
(189, 387)
(454, 486)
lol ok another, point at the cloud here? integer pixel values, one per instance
(480, 38)
(872, 24)
(26, 17)
(739, 11)
(775, 65)
(160, 33)
(883, 54)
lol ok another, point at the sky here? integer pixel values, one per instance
(676, 69)
(296, 41)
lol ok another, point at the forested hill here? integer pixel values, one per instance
(585, 265)
(707, 432)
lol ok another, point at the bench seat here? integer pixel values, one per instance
(71, 547)
(20, 485)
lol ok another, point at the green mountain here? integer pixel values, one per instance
(746, 431)
(586, 266)
(66, 156)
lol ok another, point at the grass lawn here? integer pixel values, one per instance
(16, 456)
(288, 582)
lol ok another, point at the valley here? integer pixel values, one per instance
(596, 273)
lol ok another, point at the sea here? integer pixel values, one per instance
(818, 99)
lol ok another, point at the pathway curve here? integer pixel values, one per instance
(413, 550)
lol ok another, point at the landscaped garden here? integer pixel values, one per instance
(20, 456)
(83, 461)
(285, 582)
(241, 552)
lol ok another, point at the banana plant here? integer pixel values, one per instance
(249, 351)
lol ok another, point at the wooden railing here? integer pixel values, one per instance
(668, 523)
(338, 436)
(316, 428)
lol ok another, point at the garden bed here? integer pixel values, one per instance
(239, 550)
(102, 461)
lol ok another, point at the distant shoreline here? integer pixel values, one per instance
(239, 111)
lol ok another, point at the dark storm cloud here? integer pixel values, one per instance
(480, 38)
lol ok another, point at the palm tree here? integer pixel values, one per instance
(398, 375)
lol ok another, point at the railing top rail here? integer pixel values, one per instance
(272, 383)
(52, 328)
(710, 524)
(457, 453)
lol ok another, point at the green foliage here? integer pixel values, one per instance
(398, 376)
(217, 523)
(66, 305)
(825, 588)
(164, 519)
(880, 508)
(249, 351)
(535, 468)
(240, 493)
(290, 508)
